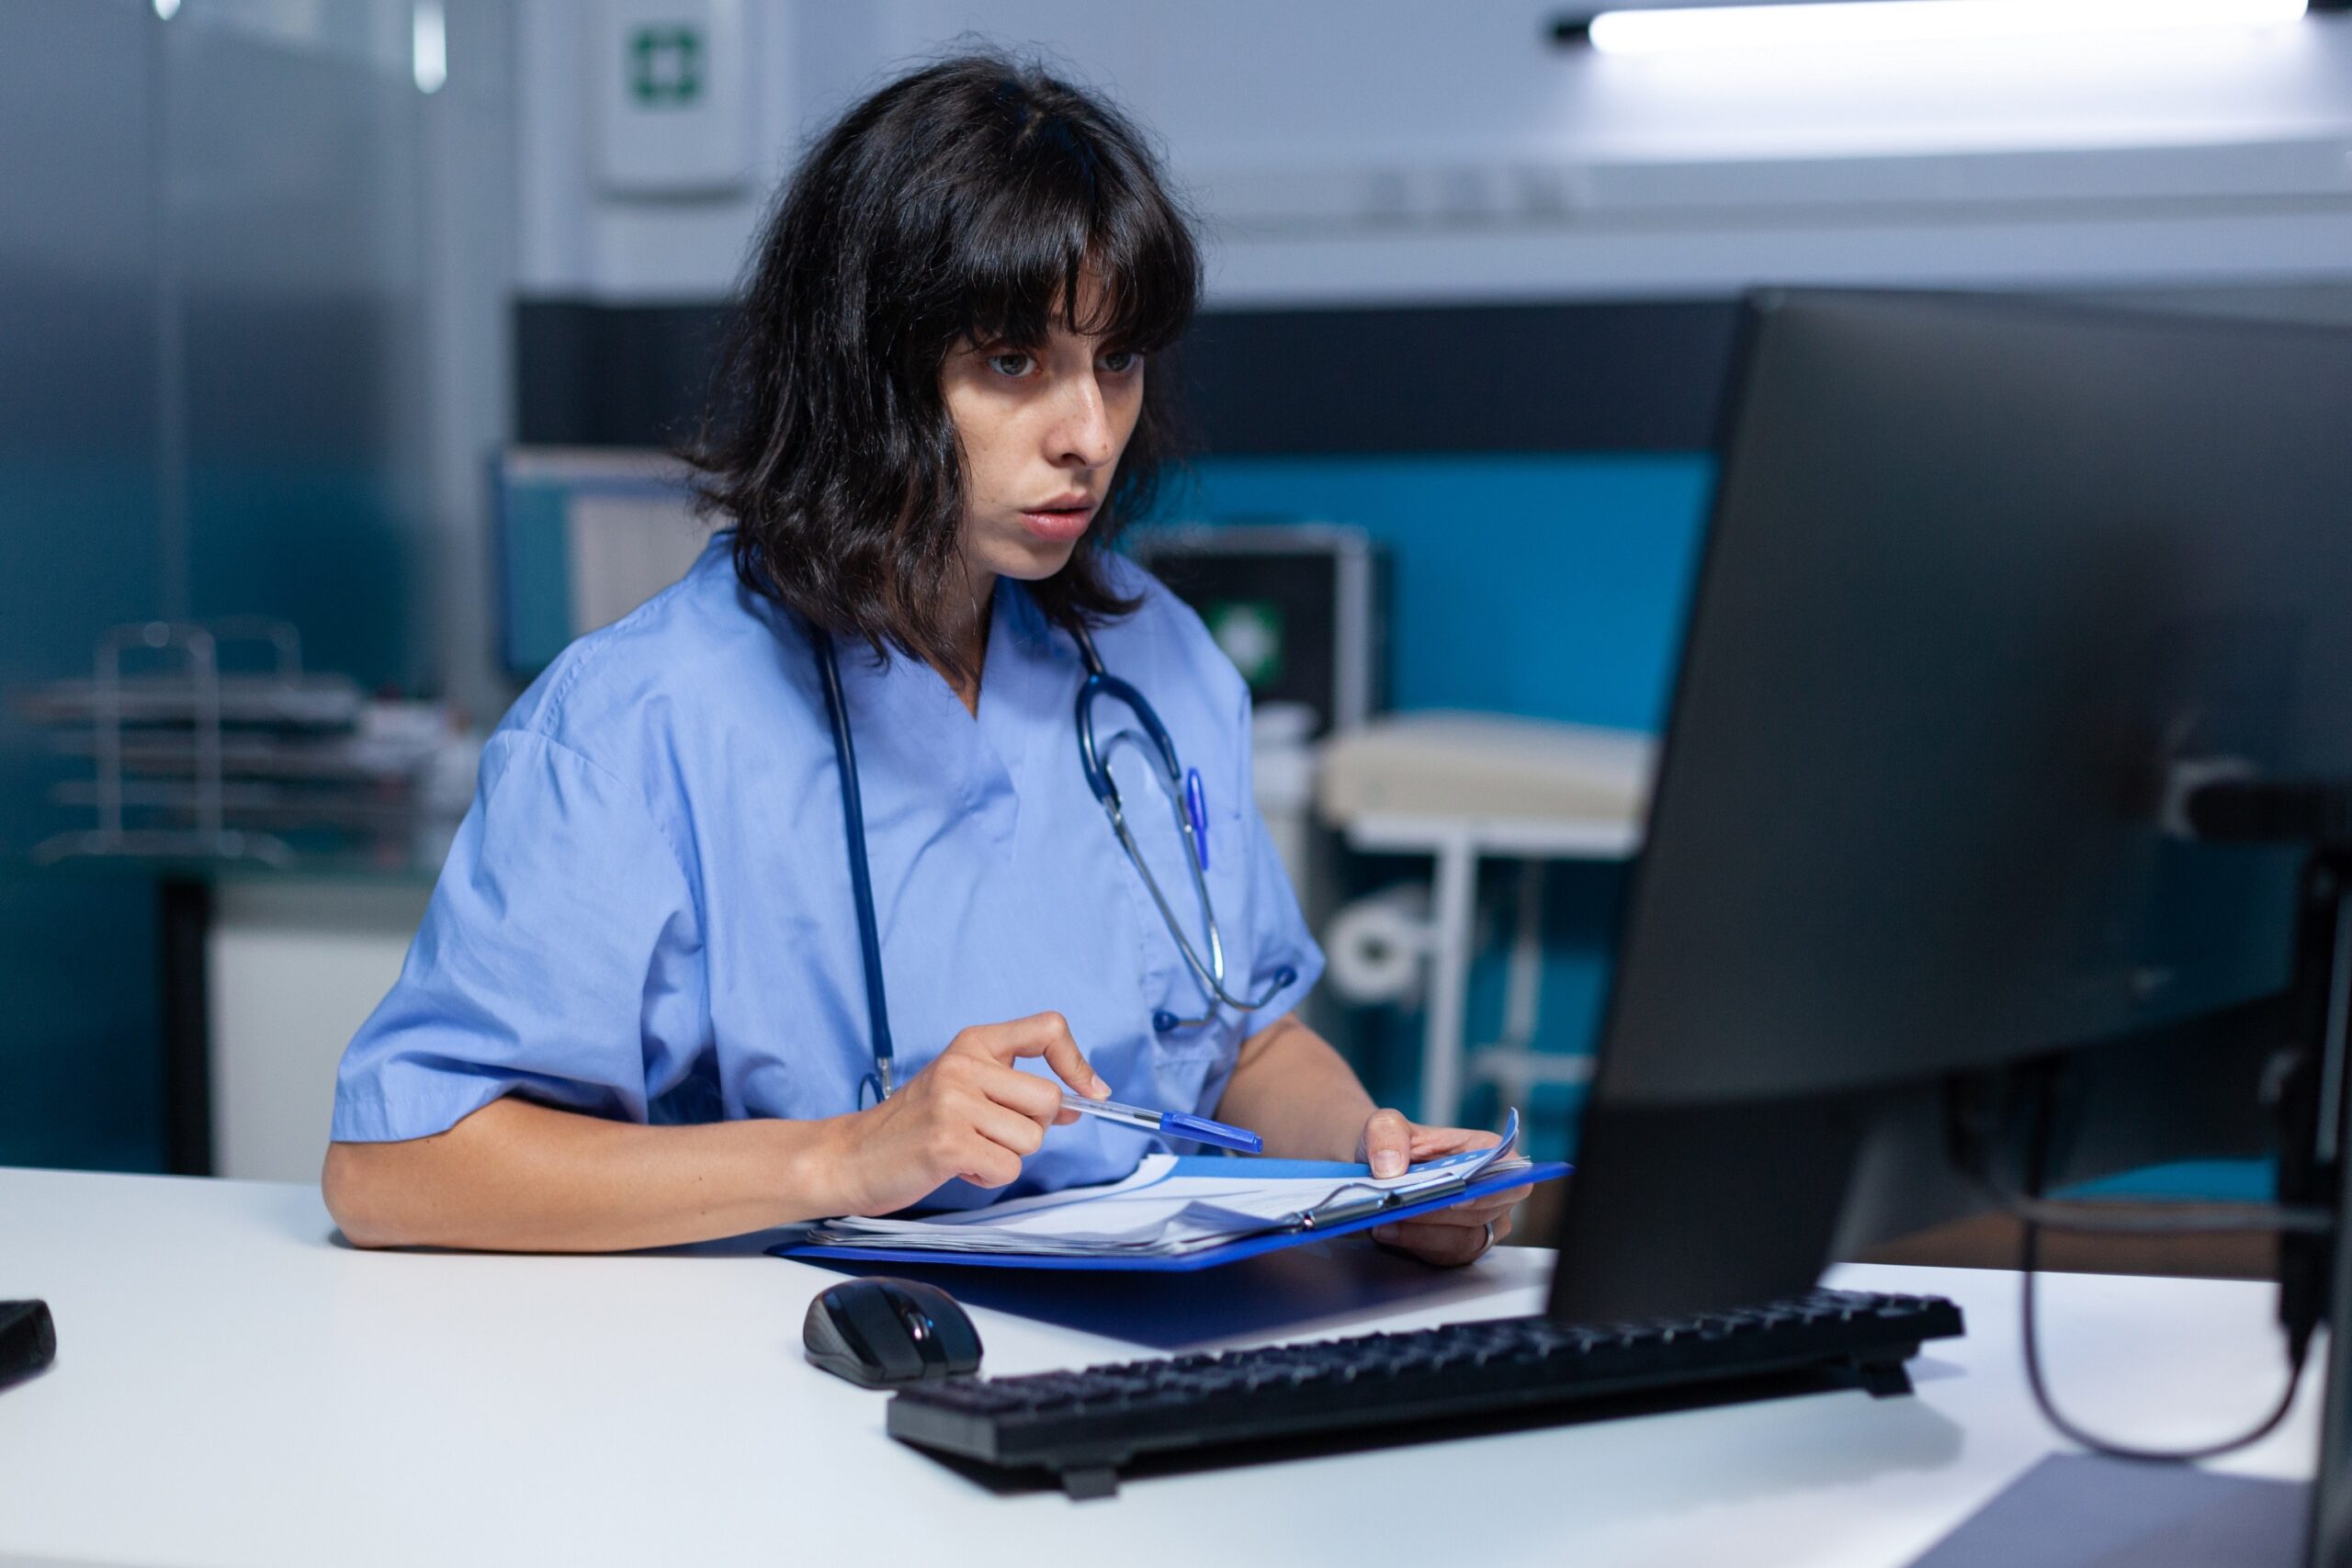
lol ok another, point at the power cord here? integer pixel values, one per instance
(2298, 1338)
(2296, 1348)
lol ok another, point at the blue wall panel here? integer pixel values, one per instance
(1548, 586)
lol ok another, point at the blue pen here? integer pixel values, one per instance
(1196, 810)
(1174, 1124)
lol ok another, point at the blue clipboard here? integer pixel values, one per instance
(1342, 1223)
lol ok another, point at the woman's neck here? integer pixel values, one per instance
(972, 641)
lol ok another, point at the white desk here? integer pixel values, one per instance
(233, 1388)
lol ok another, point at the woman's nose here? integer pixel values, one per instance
(1082, 436)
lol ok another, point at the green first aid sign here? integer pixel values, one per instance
(1250, 633)
(665, 65)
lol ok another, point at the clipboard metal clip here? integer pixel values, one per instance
(1338, 1208)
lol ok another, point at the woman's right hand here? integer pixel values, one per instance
(971, 1113)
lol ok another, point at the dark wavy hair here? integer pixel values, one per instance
(964, 201)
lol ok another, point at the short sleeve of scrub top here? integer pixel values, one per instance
(646, 915)
(557, 957)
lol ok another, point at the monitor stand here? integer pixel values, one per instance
(2219, 1521)
(2086, 1511)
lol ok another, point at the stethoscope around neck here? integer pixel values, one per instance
(1187, 801)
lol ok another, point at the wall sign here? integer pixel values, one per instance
(670, 98)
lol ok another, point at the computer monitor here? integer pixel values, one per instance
(1987, 579)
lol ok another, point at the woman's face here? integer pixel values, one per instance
(1041, 434)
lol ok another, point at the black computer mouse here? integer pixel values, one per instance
(28, 1340)
(880, 1332)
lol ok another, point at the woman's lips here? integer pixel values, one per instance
(1058, 525)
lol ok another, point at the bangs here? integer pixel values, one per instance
(1071, 238)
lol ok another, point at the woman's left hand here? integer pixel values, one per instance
(1449, 1237)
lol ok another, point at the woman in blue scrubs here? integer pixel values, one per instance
(636, 1013)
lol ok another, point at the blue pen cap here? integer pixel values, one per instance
(1201, 1130)
(1196, 808)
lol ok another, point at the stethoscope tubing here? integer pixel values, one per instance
(861, 884)
(1185, 801)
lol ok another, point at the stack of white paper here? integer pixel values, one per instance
(1155, 1213)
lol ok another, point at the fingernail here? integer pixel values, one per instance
(1101, 1089)
(1388, 1162)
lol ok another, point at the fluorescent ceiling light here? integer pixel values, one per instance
(167, 9)
(1740, 28)
(429, 45)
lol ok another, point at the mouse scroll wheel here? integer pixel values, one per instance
(918, 1328)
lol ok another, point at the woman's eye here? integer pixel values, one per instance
(1014, 365)
(1119, 361)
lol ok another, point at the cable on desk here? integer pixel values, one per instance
(2067, 1428)
(2028, 1260)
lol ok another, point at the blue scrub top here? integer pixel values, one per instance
(647, 913)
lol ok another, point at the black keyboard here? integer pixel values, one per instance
(1083, 1428)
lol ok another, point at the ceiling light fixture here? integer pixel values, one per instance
(429, 45)
(1741, 28)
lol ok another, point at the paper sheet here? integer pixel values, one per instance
(1155, 1211)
